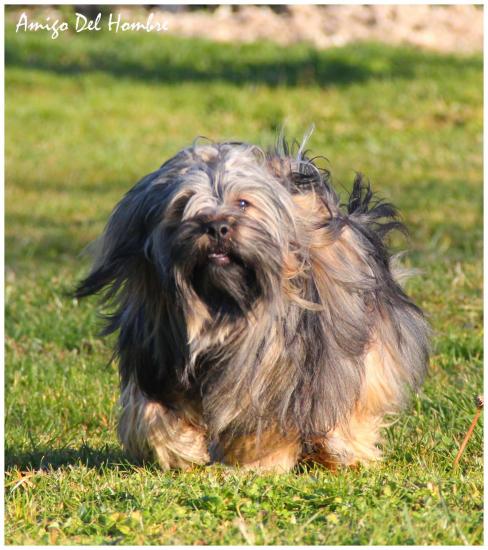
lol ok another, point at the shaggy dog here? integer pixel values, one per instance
(259, 321)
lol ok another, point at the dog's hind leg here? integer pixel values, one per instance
(355, 442)
(149, 430)
(356, 439)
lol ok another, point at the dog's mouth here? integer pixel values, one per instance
(219, 257)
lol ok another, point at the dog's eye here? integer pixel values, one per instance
(243, 204)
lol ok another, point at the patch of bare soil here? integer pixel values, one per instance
(442, 28)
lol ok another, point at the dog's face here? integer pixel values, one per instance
(226, 225)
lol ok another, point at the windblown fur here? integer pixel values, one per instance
(258, 319)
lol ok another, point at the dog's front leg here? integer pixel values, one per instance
(149, 430)
(269, 452)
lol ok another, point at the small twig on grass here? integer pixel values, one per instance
(479, 405)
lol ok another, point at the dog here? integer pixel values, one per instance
(260, 322)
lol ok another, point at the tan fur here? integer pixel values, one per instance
(196, 317)
(355, 442)
(383, 391)
(280, 168)
(149, 430)
(272, 452)
(356, 439)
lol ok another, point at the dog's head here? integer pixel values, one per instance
(217, 223)
(226, 225)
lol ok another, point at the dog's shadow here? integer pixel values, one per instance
(54, 459)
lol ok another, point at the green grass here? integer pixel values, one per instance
(88, 115)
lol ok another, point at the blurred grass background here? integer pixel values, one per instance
(86, 116)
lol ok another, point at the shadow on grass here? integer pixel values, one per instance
(307, 70)
(46, 250)
(48, 239)
(44, 459)
(173, 60)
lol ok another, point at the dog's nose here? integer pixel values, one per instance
(219, 229)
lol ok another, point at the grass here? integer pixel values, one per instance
(89, 114)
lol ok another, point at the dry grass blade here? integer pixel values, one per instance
(479, 404)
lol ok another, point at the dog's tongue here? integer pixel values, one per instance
(219, 258)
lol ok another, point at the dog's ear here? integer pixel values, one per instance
(304, 179)
(121, 245)
(130, 285)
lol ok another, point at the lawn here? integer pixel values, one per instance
(86, 116)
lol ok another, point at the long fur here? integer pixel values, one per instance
(301, 341)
